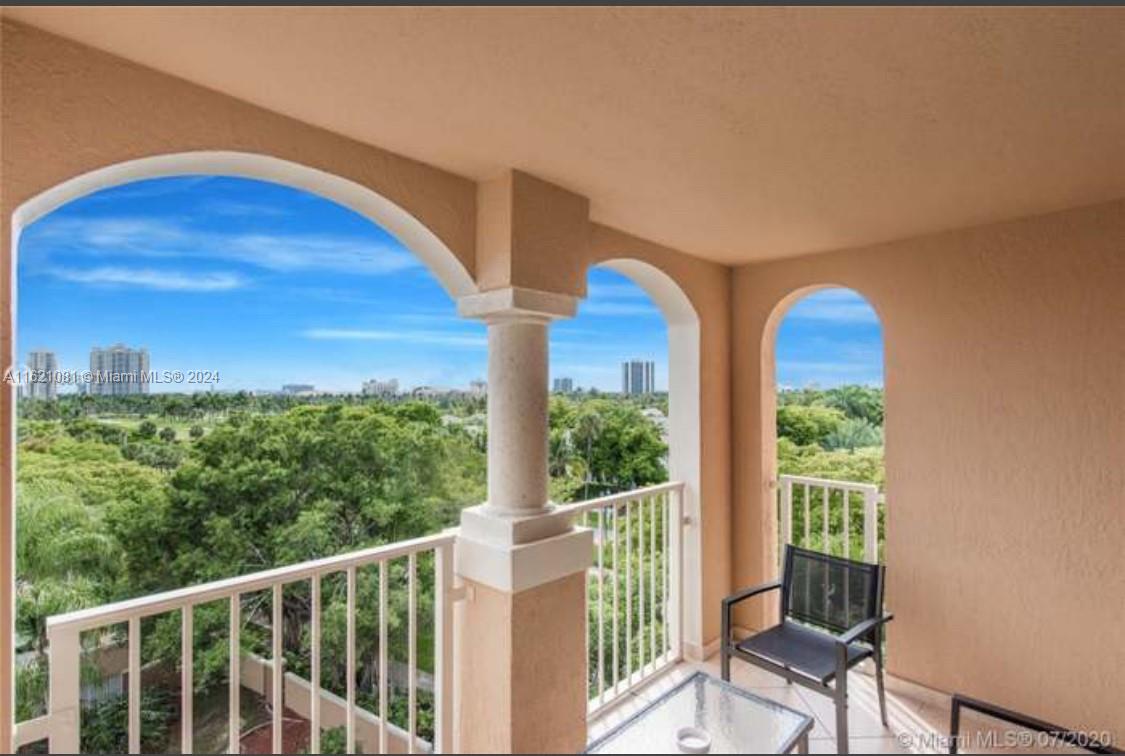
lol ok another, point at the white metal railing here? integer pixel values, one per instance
(824, 508)
(61, 726)
(634, 607)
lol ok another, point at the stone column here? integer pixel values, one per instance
(521, 633)
(517, 415)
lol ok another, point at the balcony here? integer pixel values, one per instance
(633, 621)
(634, 628)
(960, 169)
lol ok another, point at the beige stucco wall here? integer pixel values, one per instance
(1005, 392)
(520, 689)
(67, 109)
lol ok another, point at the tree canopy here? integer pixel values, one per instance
(125, 496)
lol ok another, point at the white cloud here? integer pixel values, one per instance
(146, 278)
(433, 338)
(288, 254)
(827, 374)
(95, 235)
(617, 299)
(166, 239)
(148, 188)
(236, 209)
(617, 308)
(615, 291)
(835, 306)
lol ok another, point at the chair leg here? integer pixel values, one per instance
(841, 696)
(879, 677)
(880, 686)
(842, 719)
(724, 642)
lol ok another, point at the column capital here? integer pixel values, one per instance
(515, 303)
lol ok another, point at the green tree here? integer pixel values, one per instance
(265, 490)
(807, 424)
(611, 445)
(852, 434)
(858, 402)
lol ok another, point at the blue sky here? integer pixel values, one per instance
(270, 285)
(830, 338)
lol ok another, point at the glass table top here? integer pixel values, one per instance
(736, 721)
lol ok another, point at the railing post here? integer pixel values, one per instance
(786, 510)
(443, 649)
(871, 524)
(65, 658)
(676, 527)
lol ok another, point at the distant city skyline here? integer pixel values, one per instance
(268, 285)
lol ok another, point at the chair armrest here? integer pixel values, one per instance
(863, 628)
(728, 612)
(735, 598)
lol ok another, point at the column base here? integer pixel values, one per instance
(522, 668)
(517, 554)
(521, 634)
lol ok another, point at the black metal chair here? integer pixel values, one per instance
(818, 593)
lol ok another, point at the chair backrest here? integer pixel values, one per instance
(831, 592)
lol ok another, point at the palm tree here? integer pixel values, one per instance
(588, 427)
(852, 434)
(560, 451)
(858, 402)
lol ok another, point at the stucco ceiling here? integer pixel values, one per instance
(737, 134)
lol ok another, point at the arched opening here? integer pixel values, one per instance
(413, 235)
(684, 429)
(138, 450)
(822, 358)
(641, 333)
(609, 368)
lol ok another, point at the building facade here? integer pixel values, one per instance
(118, 370)
(42, 379)
(385, 389)
(638, 377)
(563, 386)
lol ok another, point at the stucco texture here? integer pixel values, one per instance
(520, 690)
(68, 109)
(737, 133)
(1005, 453)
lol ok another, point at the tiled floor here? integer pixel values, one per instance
(918, 717)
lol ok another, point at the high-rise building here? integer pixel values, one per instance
(638, 377)
(478, 388)
(564, 386)
(385, 389)
(42, 375)
(298, 389)
(118, 370)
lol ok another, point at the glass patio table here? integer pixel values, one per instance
(721, 718)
